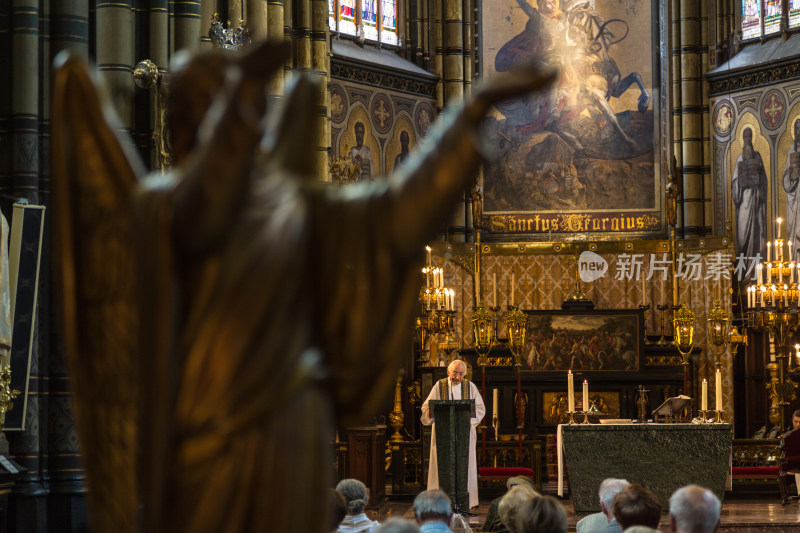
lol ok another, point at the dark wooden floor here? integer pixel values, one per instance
(739, 515)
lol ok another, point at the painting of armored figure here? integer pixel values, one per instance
(586, 146)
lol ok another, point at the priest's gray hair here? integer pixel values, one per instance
(694, 509)
(432, 505)
(397, 525)
(355, 493)
(609, 489)
(455, 362)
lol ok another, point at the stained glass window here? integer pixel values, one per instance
(369, 19)
(332, 14)
(751, 19)
(378, 18)
(347, 16)
(773, 9)
(794, 13)
(389, 21)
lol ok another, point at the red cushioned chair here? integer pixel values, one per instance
(790, 462)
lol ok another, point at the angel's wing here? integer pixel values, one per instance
(94, 179)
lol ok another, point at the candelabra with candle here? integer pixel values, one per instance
(484, 329)
(683, 323)
(772, 307)
(437, 312)
(517, 325)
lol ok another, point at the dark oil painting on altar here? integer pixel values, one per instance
(585, 156)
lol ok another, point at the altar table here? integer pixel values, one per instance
(661, 457)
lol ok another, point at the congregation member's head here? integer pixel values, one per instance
(637, 506)
(796, 415)
(512, 502)
(337, 509)
(693, 509)
(355, 494)
(432, 506)
(397, 525)
(608, 490)
(520, 480)
(541, 515)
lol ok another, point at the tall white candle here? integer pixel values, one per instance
(570, 392)
(495, 402)
(494, 289)
(704, 402)
(760, 270)
(441, 277)
(428, 252)
(719, 391)
(779, 220)
(643, 291)
(785, 296)
(769, 255)
(585, 395)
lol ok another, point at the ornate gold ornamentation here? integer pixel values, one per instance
(6, 394)
(662, 360)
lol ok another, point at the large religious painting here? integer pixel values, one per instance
(789, 180)
(584, 340)
(749, 164)
(582, 157)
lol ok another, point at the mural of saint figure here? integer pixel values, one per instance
(749, 193)
(791, 178)
(360, 152)
(403, 149)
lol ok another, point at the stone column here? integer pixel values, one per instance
(690, 110)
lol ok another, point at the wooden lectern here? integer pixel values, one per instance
(452, 419)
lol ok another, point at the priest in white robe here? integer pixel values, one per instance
(454, 387)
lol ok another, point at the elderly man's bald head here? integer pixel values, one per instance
(694, 509)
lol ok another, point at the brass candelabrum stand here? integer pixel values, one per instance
(517, 325)
(772, 307)
(437, 314)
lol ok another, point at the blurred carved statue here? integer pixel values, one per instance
(221, 318)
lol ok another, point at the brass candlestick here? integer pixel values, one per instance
(645, 309)
(662, 341)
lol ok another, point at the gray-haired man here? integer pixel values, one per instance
(604, 521)
(693, 509)
(433, 512)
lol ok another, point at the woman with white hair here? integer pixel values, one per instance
(356, 521)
